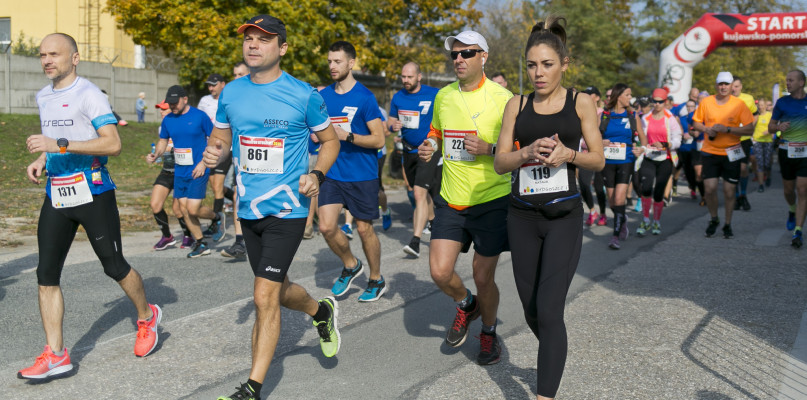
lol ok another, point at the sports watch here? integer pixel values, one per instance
(62, 143)
(320, 176)
(350, 137)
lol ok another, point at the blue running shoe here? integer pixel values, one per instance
(386, 219)
(199, 249)
(219, 230)
(348, 231)
(791, 221)
(374, 291)
(638, 207)
(348, 275)
(796, 242)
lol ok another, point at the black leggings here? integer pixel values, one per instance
(584, 177)
(686, 163)
(57, 229)
(545, 256)
(660, 171)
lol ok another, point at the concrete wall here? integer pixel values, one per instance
(22, 77)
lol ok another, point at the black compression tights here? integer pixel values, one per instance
(545, 256)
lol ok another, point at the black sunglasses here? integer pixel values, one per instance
(466, 54)
(659, 101)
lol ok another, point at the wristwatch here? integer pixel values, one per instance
(493, 149)
(350, 137)
(728, 129)
(62, 143)
(320, 176)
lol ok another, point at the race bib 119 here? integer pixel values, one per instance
(537, 178)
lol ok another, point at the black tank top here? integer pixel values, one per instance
(531, 126)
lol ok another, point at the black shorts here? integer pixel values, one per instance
(223, 167)
(421, 173)
(57, 229)
(483, 224)
(792, 168)
(614, 174)
(715, 166)
(165, 178)
(271, 244)
(360, 198)
(380, 169)
(697, 157)
(748, 147)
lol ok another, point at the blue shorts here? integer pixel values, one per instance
(189, 188)
(360, 198)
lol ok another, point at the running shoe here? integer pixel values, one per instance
(147, 332)
(712, 228)
(428, 229)
(375, 289)
(221, 228)
(603, 220)
(667, 201)
(623, 230)
(761, 189)
(245, 392)
(348, 275)
(308, 233)
(329, 338)
(693, 195)
(614, 243)
(791, 221)
(675, 191)
(413, 248)
(199, 249)
(458, 332)
(638, 207)
(348, 231)
(165, 242)
(386, 219)
(489, 349)
(745, 204)
(187, 242)
(656, 229)
(592, 217)
(47, 364)
(642, 229)
(727, 232)
(737, 203)
(797, 240)
(237, 250)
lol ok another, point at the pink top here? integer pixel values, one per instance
(656, 130)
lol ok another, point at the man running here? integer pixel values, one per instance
(78, 134)
(747, 145)
(719, 118)
(209, 104)
(188, 128)
(500, 79)
(790, 117)
(473, 200)
(411, 115)
(352, 183)
(267, 118)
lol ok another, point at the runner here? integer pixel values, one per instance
(763, 146)
(352, 183)
(663, 139)
(543, 222)
(275, 185)
(719, 118)
(209, 104)
(472, 204)
(745, 141)
(411, 115)
(78, 134)
(584, 176)
(188, 128)
(618, 124)
(790, 117)
(238, 249)
(499, 78)
(689, 153)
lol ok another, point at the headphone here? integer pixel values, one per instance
(483, 60)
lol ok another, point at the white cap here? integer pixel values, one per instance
(725, 77)
(469, 38)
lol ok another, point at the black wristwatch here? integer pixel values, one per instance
(350, 137)
(62, 143)
(320, 176)
(728, 129)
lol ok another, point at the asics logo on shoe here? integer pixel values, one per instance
(52, 365)
(99, 237)
(270, 269)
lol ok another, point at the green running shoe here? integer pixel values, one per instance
(245, 392)
(329, 338)
(642, 229)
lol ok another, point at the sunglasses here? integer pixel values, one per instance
(466, 54)
(659, 101)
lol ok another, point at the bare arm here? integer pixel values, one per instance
(218, 144)
(106, 144)
(309, 184)
(507, 158)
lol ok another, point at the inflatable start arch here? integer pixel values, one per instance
(715, 30)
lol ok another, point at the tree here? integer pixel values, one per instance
(506, 28)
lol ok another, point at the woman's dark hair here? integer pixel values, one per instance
(617, 91)
(550, 32)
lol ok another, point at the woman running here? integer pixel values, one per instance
(538, 136)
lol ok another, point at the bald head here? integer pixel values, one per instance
(68, 40)
(410, 77)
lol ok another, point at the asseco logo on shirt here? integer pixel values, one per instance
(275, 123)
(58, 122)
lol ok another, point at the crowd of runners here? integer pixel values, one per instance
(483, 168)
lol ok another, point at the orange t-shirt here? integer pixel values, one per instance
(733, 113)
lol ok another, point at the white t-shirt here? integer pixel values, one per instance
(209, 105)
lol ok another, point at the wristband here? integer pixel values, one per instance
(493, 149)
(320, 176)
(433, 143)
(728, 129)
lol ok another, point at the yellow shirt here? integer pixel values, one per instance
(752, 106)
(761, 129)
(470, 180)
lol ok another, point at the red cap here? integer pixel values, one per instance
(162, 106)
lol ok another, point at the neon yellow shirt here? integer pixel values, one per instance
(752, 106)
(470, 180)
(761, 129)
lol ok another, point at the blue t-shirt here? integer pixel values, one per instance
(189, 132)
(414, 110)
(271, 125)
(619, 131)
(686, 122)
(788, 109)
(359, 106)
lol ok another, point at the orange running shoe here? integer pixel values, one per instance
(147, 332)
(47, 364)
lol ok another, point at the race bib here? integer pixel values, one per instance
(796, 150)
(261, 155)
(69, 191)
(735, 152)
(537, 178)
(183, 156)
(655, 154)
(409, 119)
(454, 145)
(616, 151)
(342, 122)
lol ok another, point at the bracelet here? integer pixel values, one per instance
(574, 156)
(433, 143)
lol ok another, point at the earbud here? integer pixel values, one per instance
(483, 60)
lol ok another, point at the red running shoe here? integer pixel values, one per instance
(47, 364)
(147, 332)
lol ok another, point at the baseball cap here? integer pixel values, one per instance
(174, 93)
(592, 90)
(469, 38)
(214, 79)
(725, 77)
(162, 106)
(268, 24)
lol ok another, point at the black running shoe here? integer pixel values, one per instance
(797, 240)
(712, 228)
(413, 248)
(745, 204)
(459, 329)
(244, 392)
(489, 349)
(237, 250)
(727, 232)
